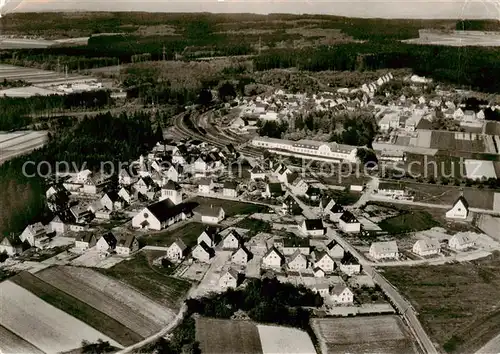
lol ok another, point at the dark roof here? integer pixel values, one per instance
(292, 177)
(337, 208)
(332, 244)
(110, 239)
(207, 249)
(296, 242)
(236, 235)
(275, 250)
(230, 185)
(246, 250)
(348, 217)
(275, 188)
(256, 169)
(314, 224)
(126, 241)
(349, 259)
(172, 185)
(311, 191)
(463, 200)
(113, 195)
(165, 209)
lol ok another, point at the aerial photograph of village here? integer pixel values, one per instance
(244, 183)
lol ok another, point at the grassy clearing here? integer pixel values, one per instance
(456, 303)
(188, 233)
(152, 282)
(408, 221)
(230, 207)
(254, 226)
(77, 309)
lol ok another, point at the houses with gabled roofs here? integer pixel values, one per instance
(299, 186)
(349, 223)
(461, 241)
(127, 195)
(177, 250)
(318, 272)
(384, 250)
(297, 262)
(257, 173)
(126, 245)
(341, 295)
(232, 241)
(349, 265)
(291, 178)
(202, 252)
(173, 173)
(160, 215)
(210, 236)
(85, 241)
(324, 261)
(273, 258)
(312, 227)
(282, 172)
(290, 206)
(229, 189)
(205, 185)
(107, 242)
(173, 191)
(112, 201)
(273, 190)
(241, 256)
(322, 289)
(144, 185)
(229, 279)
(460, 209)
(179, 155)
(426, 247)
(335, 250)
(6, 246)
(210, 214)
(33, 234)
(57, 225)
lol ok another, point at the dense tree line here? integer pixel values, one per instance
(470, 66)
(86, 145)
(15, 111)
(266, 300)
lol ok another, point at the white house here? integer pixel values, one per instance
(112, 201)
(229, 279)
(210, 214)
(205, 186)
(127, 245)
(127, 195)
(125, 178)
(173, 191)
(460, 209)
(324, 261)
(273, 258)
(107, 242)
(232, 240)
(144, 185)
(202, 252)
(160, 215)
(341, 295)
(426, 247)
(459, 114)
(33, 234)
(349, 223)
(299, 187)
(297, 262)
(381, 250)
(335, 250)
(323, 289)
(177, 250)
(318, 272)
(349, 265)
(313, 227)
(461, 241)
(173, 173)
(57, 225)
(241, 256)
(257, 173)
(85, 241)
(7, 247)
(209, 236)
(229, 189)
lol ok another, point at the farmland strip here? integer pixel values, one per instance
(77, 309)
(12, 343)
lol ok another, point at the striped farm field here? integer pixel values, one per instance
(77, 308)
(111, 297)
(41, 324)
(12, 343)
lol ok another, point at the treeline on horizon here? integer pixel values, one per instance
(473, 67)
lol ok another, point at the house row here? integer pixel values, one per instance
(123, 245)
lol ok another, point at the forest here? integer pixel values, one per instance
(92, 141)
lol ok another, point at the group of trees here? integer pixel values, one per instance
(266, 300)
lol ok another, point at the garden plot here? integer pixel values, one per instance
(377, 334)
(210, 281)
(11, 343)
(286, 340)
(111, 297)
(93, 258)
(44, 326)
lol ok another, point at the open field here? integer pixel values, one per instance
(436, 166)
(457, 38)
(492, 128)
(154, 283)
(230, 207)
(408, 222)
(44, 326)
(219, 336)
(18, 143)
(456, 303)
(377, 334)
(11, 343)
(188, 232)
(39, 77)
(285, 340)
(76, 308)
(124, 304)
(456, 141)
